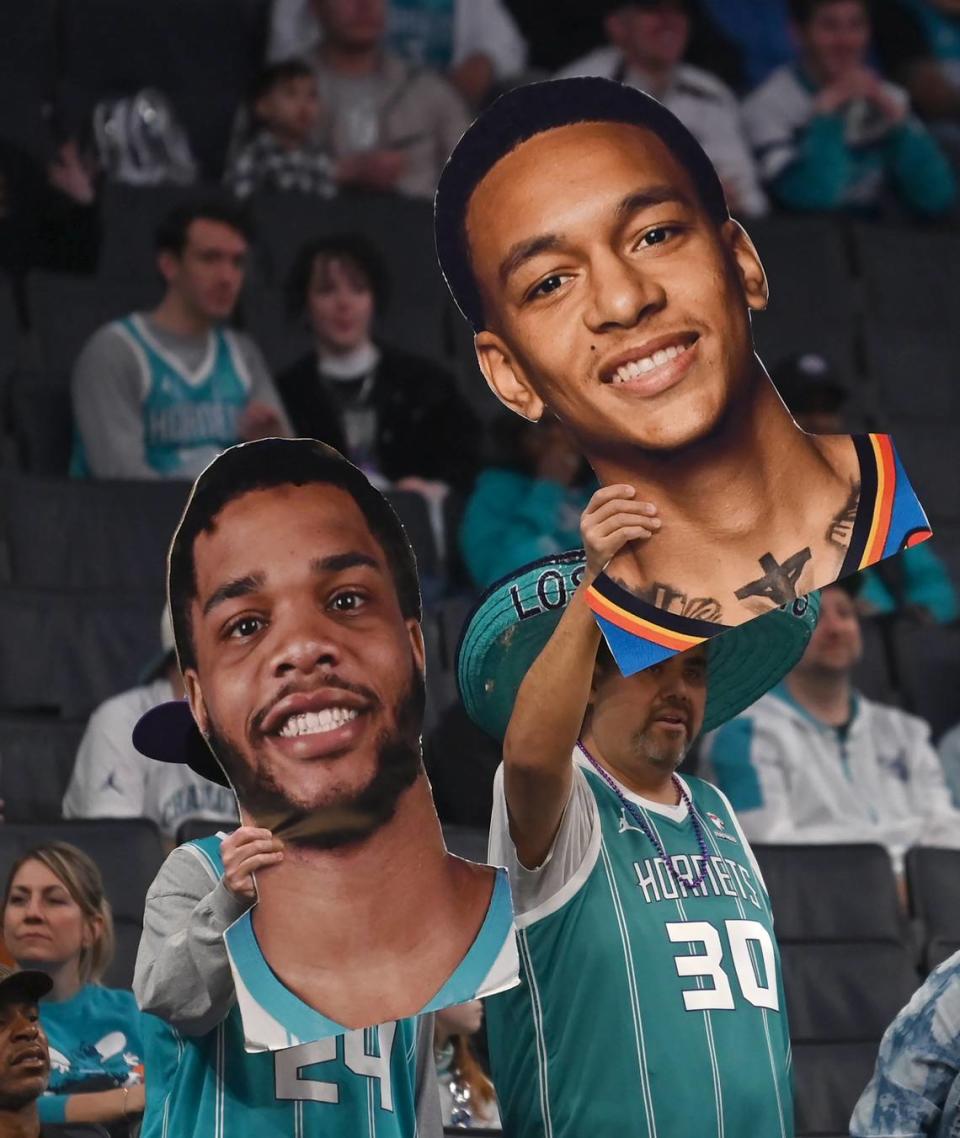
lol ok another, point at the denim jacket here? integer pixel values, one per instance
(915, 1089)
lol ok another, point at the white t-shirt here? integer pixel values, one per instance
(111, 779)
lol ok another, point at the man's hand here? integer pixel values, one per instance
(612, 518)
(374, 169)
(259, 421)
(244, 852)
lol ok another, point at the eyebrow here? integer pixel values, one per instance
(524, 251)
(253, 582)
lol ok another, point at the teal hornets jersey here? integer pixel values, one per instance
(361, 1084)
(188, 419)
(646, 1007)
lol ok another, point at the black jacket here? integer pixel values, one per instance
(424, 426)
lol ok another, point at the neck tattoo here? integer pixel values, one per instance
(690, 883)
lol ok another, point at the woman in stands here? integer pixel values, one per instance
(399, 417)
(56, 919)
(467, 1097)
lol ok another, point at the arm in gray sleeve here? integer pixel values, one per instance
(429, 1120)
(183, 972)
(106, 386)
(261, 384)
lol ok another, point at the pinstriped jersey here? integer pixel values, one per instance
(361, 1084)
(889, 519)
(646, 1007)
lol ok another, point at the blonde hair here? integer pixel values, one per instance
(79, 875)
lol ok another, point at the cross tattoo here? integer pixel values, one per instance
(779, 582)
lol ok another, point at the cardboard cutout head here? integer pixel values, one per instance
(296, 613)
(584, 233)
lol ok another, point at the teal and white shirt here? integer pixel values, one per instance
(151, 404)
(203, 1083)
(645, 1008)
(274, 1018)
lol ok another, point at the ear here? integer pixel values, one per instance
(505, 379)
(417, 645)
(749, 267)
(92, 931)
(191, 684)
(167, 264)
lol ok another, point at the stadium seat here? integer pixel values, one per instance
(466, 841)
(928, 658)
(64, 312)
(910, 278)
(926, 451)
(194, 828)
(66, 652)
(872, 675)
(128, 853)
(831, 893)
(933, 880)
(41, 422)
(805, 259)
(131, 215)
(828, 1079)
(27, 74)
(461, 761)
(845, 993)
(9, 333)
(36, 761)
(914, 375)
(82, 534)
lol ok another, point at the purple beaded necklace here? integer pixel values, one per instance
(690, 883)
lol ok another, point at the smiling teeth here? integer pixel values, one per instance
(636, 368)
(316, 722)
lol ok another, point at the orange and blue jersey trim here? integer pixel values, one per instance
(889, 519)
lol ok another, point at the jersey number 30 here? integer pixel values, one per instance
(746, 939)
(290, 1083)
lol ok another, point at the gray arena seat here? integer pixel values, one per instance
(36, 761)
(194, 828)
(128, 853)
(828, 1079)
(831, 893)
(929, 665)
(64, 533)
(933, 879)
(66, 652)
(41, 421)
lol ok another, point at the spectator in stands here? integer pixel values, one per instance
(474, 43)
(949, 749)
(467, 1097)
(48, 217)
(831, 134)
(399, 417)
(919, 42)
(283, 153)
(159, 394)
(372, 99)
(57, 920)
(647, 42)
(24, 1057)
(527, 503)
(915, 583)
(915, 1088)
(111, 779)
(815, 761)
(760, 30)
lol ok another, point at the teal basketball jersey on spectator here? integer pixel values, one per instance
(358, 1085)
(647, 1008)
(184, 413)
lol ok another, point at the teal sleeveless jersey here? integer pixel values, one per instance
(358, 1085)
(187, 419)
(646, 1008)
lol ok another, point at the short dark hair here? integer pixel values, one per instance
(803, 11)
(352, 248)
(171, 233)
(264, 465)
(273, 74)
(520, 115)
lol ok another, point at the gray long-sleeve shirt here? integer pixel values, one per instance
(183, 972)
(127, 365)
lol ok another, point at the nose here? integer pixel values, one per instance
(623, 296)
(305, 643)
(33, 910)
(25, 1027)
